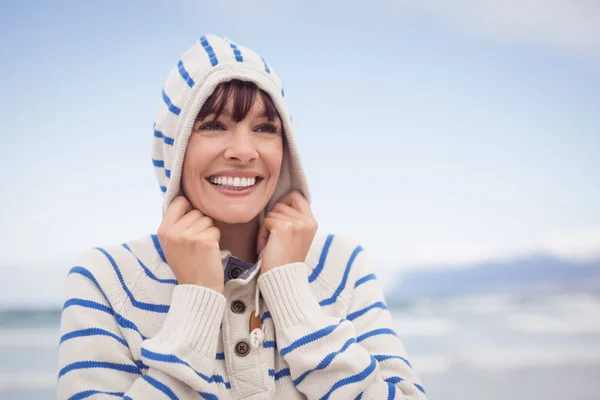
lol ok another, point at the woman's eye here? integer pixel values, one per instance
(212, 126)
(269, 128)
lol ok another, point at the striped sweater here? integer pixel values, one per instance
(128, 330)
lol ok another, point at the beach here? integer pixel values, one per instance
(488, 347)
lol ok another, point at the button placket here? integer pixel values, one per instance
(238, 307)
(242, 348)
(235, 272)
(247, 375)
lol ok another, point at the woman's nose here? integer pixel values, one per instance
(241, 147)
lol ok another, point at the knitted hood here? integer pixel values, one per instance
(209, 62)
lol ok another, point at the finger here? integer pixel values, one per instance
(297, 202)
(288, 210)
(272, 223)
(262, 238)
(213, 233)
(177, 209)
(200, 225)
(187, 220)
(280, 215)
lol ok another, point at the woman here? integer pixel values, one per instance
(235, 297)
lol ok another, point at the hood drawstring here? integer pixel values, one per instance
(257, 336)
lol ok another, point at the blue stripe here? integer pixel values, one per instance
(209, 51)
(359, 396)
(132, 369)
(208, 396)
(148, 272)
(87, 304)
(391, 391)
(220, 356)
(158, 247)
(364, 279)
(170, 358)
(360, 313)
(122, 321)
(309, 338)
(163, 189)
(161, 386)
(376, 332)
(158, 163)
(396, 380)
(280, 374)
(237, 53)
(168, 173)
(168, 140)
(282, 93)
(158, 308)
(361, 376)
(333, 298)
(184, 74)
(140, 364)
(325, 362)
(383, 357)
(269, 344)
(172, 107)
(265, 316)
(322, 259)
(421, 389)
(91, 332)
(88, 393)
(267, 69)
(220, 379)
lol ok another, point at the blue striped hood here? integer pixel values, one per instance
(209, 62)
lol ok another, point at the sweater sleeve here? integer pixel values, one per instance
(94, 357)
(356, 357)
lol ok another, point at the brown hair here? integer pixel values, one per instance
(243, 94)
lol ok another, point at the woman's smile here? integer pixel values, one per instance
(231, 185)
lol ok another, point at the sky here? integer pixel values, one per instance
(433, 132)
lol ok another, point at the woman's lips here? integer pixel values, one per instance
(235, 191)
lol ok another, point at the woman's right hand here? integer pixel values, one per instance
(190, 243)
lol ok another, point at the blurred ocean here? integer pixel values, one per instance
(486, 347)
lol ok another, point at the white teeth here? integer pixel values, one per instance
(233, 182)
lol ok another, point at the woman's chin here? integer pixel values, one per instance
(235, 215)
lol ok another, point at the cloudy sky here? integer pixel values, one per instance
(434, 132)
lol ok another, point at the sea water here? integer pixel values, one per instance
(469, 348)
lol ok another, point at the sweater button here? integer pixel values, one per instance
(242, 349)
(238, 307)
(235, 272)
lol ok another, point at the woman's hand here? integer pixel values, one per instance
(190, 243)
(287, 232)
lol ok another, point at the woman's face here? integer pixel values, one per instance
(231, 169)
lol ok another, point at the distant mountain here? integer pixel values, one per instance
(536, 274)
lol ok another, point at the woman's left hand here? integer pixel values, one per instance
(287, 232)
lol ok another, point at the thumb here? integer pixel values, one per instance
(262, 237)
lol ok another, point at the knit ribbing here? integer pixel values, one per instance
(288, 295)
(194, 318)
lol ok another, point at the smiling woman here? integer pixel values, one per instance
(237, 146)
(235, 296)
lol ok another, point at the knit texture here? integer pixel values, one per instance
(130, 331)
(209, 62)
